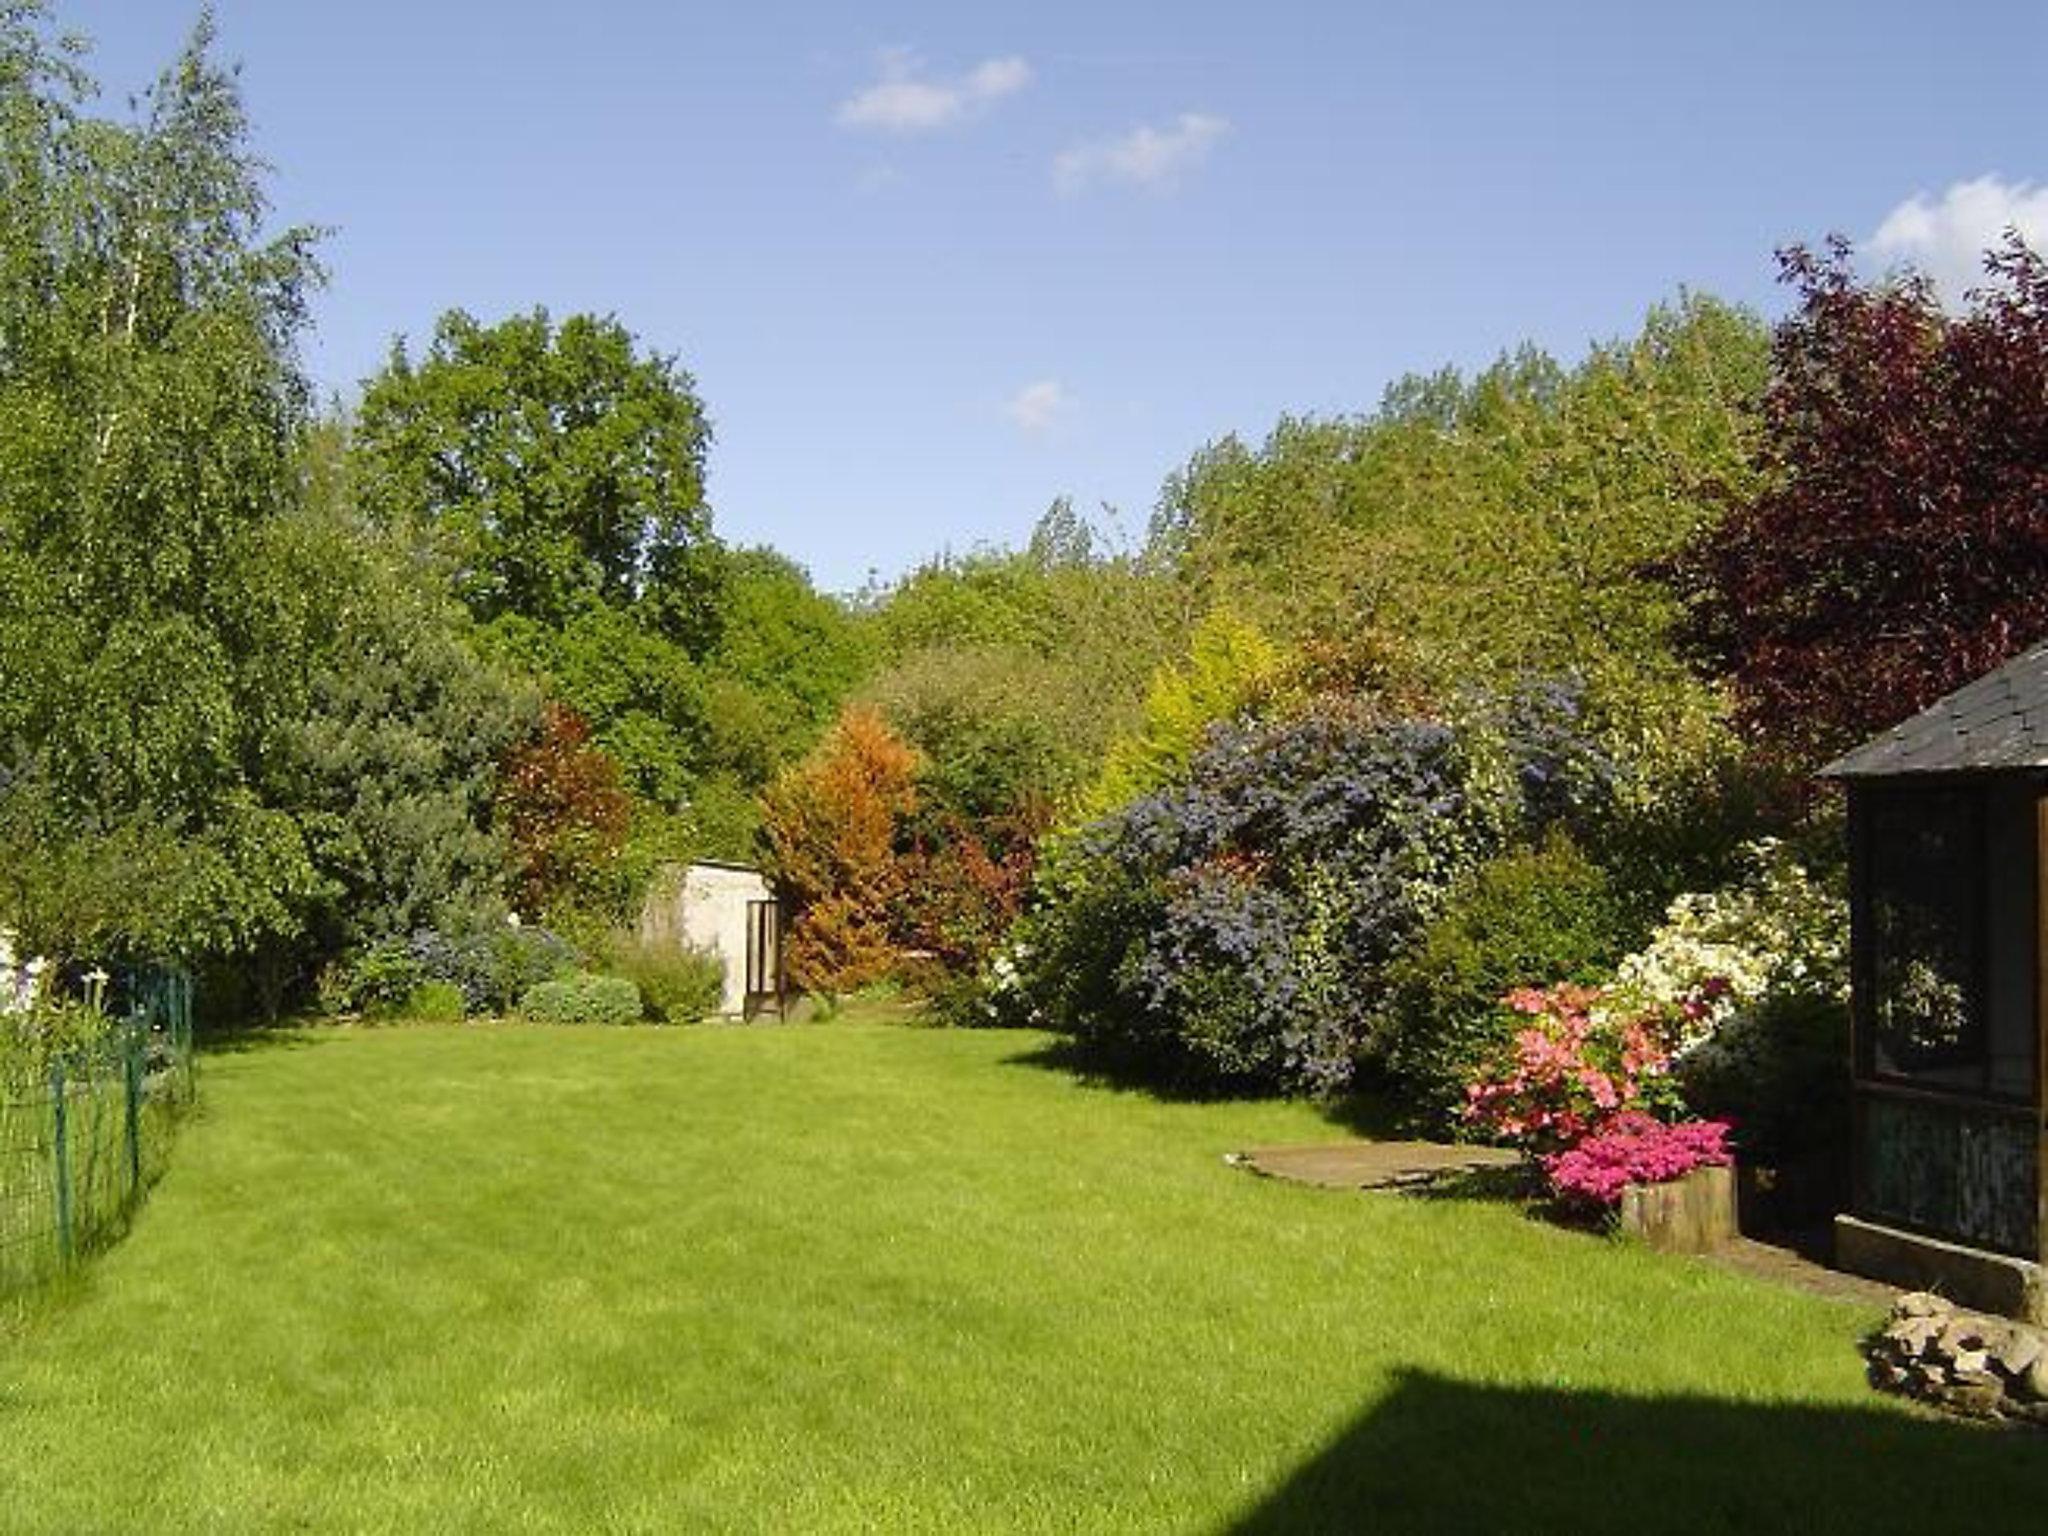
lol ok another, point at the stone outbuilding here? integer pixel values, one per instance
(1948, 841)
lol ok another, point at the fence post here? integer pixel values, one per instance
(131, 1062)
(61, 1150)
(184, 1058)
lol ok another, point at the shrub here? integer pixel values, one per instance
(832, 824)
(1780, 1072)
(493, 961)
(679, 984)
(1757, 977)
(379, 978)
(582, 998)
(1231, 666)
(965, 883)
(1530, 917)
(566, 812)
(435, 1002)
(1575, 1064)
(1634, 1148)
(1232, 928)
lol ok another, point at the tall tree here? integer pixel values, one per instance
(553, 465)
(1475, 529)
(1899, 546)
(149, 404)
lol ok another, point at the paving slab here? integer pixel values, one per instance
(1372, 1164)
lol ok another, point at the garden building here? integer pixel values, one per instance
(1948, 841)
(727, 910)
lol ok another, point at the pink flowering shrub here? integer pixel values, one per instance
(1572, 1068)
(1635, 1148)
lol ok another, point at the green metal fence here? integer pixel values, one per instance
(82, 1140)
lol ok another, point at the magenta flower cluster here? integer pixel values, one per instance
(1635, 1148)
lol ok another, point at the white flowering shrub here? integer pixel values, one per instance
(1754, 978)
(1776, 933)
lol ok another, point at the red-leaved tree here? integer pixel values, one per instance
(1901, 547)
(563, 807)
(967, 880)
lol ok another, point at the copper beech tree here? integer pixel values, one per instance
(564, 810)
(1900, 547)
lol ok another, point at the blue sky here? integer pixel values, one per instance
(935, 264)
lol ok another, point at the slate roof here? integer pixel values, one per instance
(1998, 722)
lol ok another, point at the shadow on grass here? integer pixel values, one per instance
(1440, 1455)
(248, 1039)
(1368, 1113)
(1093, 1069)
(1515, 1184)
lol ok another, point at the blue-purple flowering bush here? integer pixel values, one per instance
(492, 963)
(1230, 929)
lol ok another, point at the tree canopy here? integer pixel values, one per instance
(551, 465)
(150, 401)
(1897, 545)
(556, 473)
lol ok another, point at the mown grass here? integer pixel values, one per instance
(851, 1277)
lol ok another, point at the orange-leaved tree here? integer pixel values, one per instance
(833, 824)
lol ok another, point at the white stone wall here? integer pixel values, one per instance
(705, 906)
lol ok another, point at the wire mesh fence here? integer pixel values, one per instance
(84, 1134)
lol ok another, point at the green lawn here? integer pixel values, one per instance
(853, 1277)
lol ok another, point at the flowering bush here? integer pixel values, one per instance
(1719, 955)
(1635, 1148)
(18, 979)
(1755, 979)
(1233, 927)
(42, 1021)
(1573, 1067)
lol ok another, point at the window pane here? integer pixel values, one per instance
(1926, 879)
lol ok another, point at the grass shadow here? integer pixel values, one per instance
(1370, 1113)
(1516, 1184)
(250, 1038)
(1095, 1069)
(1373, 1113)
(1445, 1455)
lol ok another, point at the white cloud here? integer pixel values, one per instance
(1038, 407)
(1947, 237)
(907, 100)
(1144, 157)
